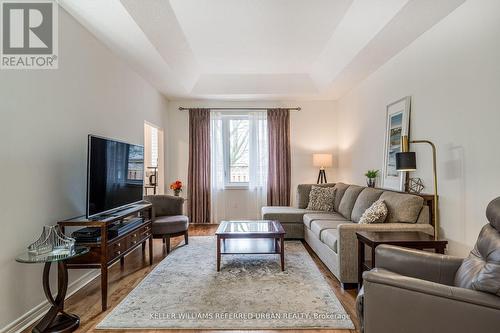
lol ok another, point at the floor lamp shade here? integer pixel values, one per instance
(406, 161)
(322, 161)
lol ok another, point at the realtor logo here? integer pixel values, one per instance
(29, 34)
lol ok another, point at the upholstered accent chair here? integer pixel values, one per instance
(168, 220)
(414, 291)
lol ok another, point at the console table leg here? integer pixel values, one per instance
(104, 287)
(150, 249)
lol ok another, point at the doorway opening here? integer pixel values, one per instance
(154, 169)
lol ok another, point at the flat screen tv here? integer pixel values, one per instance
(115, 175)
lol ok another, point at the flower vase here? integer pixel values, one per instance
(177, 192)
(370, 182)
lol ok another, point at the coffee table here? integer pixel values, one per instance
(250, 237)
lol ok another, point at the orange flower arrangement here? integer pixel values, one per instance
(176, 186)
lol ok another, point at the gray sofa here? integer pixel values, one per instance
(332, 235)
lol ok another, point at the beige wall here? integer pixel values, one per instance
(452, 73)
(313, 129)
(45, 117)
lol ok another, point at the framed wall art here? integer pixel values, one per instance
(397, 125)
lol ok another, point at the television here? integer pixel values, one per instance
(115, 175)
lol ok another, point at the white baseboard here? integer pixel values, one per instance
(38, 311)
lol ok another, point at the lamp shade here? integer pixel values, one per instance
(406, 161)
(322, 160)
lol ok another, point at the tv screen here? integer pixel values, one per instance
(115, 172)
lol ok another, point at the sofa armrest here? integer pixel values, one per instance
(165, 205)
(348, 249)
(428, 266)
(423, 306)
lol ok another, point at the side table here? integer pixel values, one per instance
(55, 320)
(411, 239)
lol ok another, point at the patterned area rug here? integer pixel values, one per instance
(250, 292)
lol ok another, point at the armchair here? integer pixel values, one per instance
(414, 291)
(168, 220)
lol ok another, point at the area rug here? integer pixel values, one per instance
(250, 292)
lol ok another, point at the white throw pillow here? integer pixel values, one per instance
(322, 198)
(376, 213)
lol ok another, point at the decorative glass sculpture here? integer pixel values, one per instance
(54, 241)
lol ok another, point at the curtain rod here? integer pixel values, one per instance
(240, 108)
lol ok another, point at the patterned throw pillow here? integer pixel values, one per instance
(322, 198)
(376, 213)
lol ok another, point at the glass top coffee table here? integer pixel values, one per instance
(250, 237)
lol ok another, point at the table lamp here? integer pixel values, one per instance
(322, 161)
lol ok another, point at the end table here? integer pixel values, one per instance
(55, 320)
(411, 239)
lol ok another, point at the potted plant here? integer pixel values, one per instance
(371, 175)
(176, 187)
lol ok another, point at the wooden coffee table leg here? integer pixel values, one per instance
(282, 252)
(218, 253)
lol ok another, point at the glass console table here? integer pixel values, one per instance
(55, 320)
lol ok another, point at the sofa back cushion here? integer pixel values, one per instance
(364, 201)
(402, 207)
(348, 200)
(303, 191)
(341, 188)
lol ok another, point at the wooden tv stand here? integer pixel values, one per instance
(108, 251)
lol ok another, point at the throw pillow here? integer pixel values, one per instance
(376, 213)
(322, 198)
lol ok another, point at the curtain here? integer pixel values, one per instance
(279, 173)
(256, 195)
(218, 208)
(258, 156)
(199, 166)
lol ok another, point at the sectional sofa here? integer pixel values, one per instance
(332, 235)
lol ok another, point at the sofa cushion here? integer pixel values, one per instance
(319, 225)
(376, 213)
(329, 237)
(365, 199)
(321, 198)
(402, 207)
(303, 193)
(169, 224)
(348, 200)
(341, 188)
(285, 214)
(309, 217)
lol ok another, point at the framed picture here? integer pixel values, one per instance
(397, 125)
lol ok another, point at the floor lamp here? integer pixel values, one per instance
(406, 161)
(322, 161)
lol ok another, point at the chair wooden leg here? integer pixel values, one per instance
(167, 242)
(186, 241)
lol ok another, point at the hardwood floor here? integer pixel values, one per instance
(86, 303)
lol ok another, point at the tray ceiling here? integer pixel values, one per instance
(257, 49)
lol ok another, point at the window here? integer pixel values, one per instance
(235, 137)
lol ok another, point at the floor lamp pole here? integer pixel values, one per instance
(434, 169)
